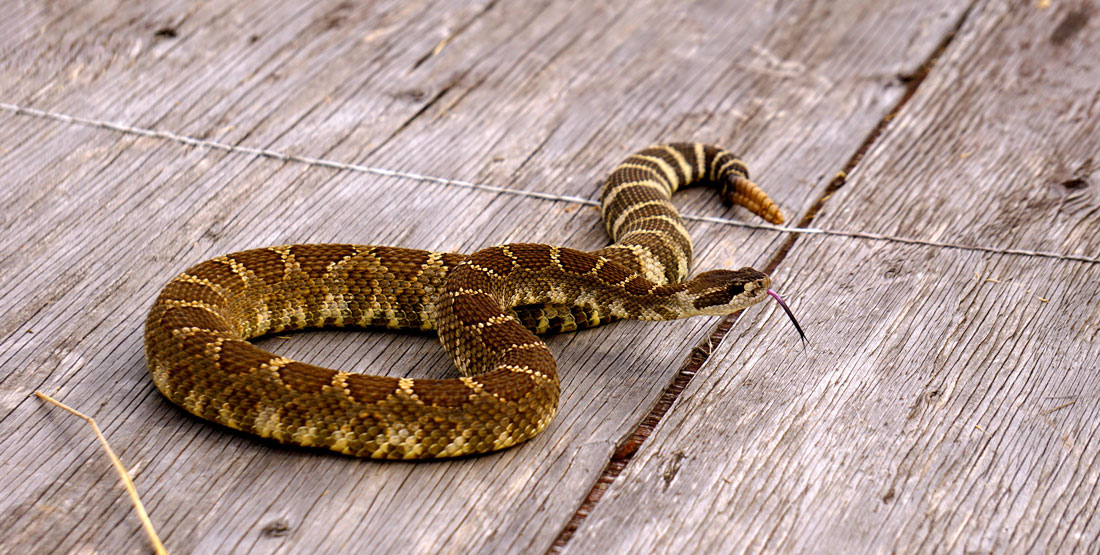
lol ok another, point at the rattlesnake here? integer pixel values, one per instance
(484, 306)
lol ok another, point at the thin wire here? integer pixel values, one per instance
(359, 168)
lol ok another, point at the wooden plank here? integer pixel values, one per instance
(539, 72)
(949, 400)
(102, 219)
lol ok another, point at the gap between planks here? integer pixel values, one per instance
(626, 450)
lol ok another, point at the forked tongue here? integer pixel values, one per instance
(789, 314)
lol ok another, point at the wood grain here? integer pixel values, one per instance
(949, 400)
(545, 97)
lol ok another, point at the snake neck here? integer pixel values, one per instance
(476, 322)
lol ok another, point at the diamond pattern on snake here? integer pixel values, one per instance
(487, 308)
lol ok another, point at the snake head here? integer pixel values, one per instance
(720, 292)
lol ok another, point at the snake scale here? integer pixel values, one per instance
(486, 308)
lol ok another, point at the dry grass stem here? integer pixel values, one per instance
(126, 481)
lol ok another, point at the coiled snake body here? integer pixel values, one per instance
(484, 306)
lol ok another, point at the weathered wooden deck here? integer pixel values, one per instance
(949, 400)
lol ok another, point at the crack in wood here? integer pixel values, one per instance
(453, 35)
(701, 352)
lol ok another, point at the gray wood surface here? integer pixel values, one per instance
(950, 400)
(547, 97)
